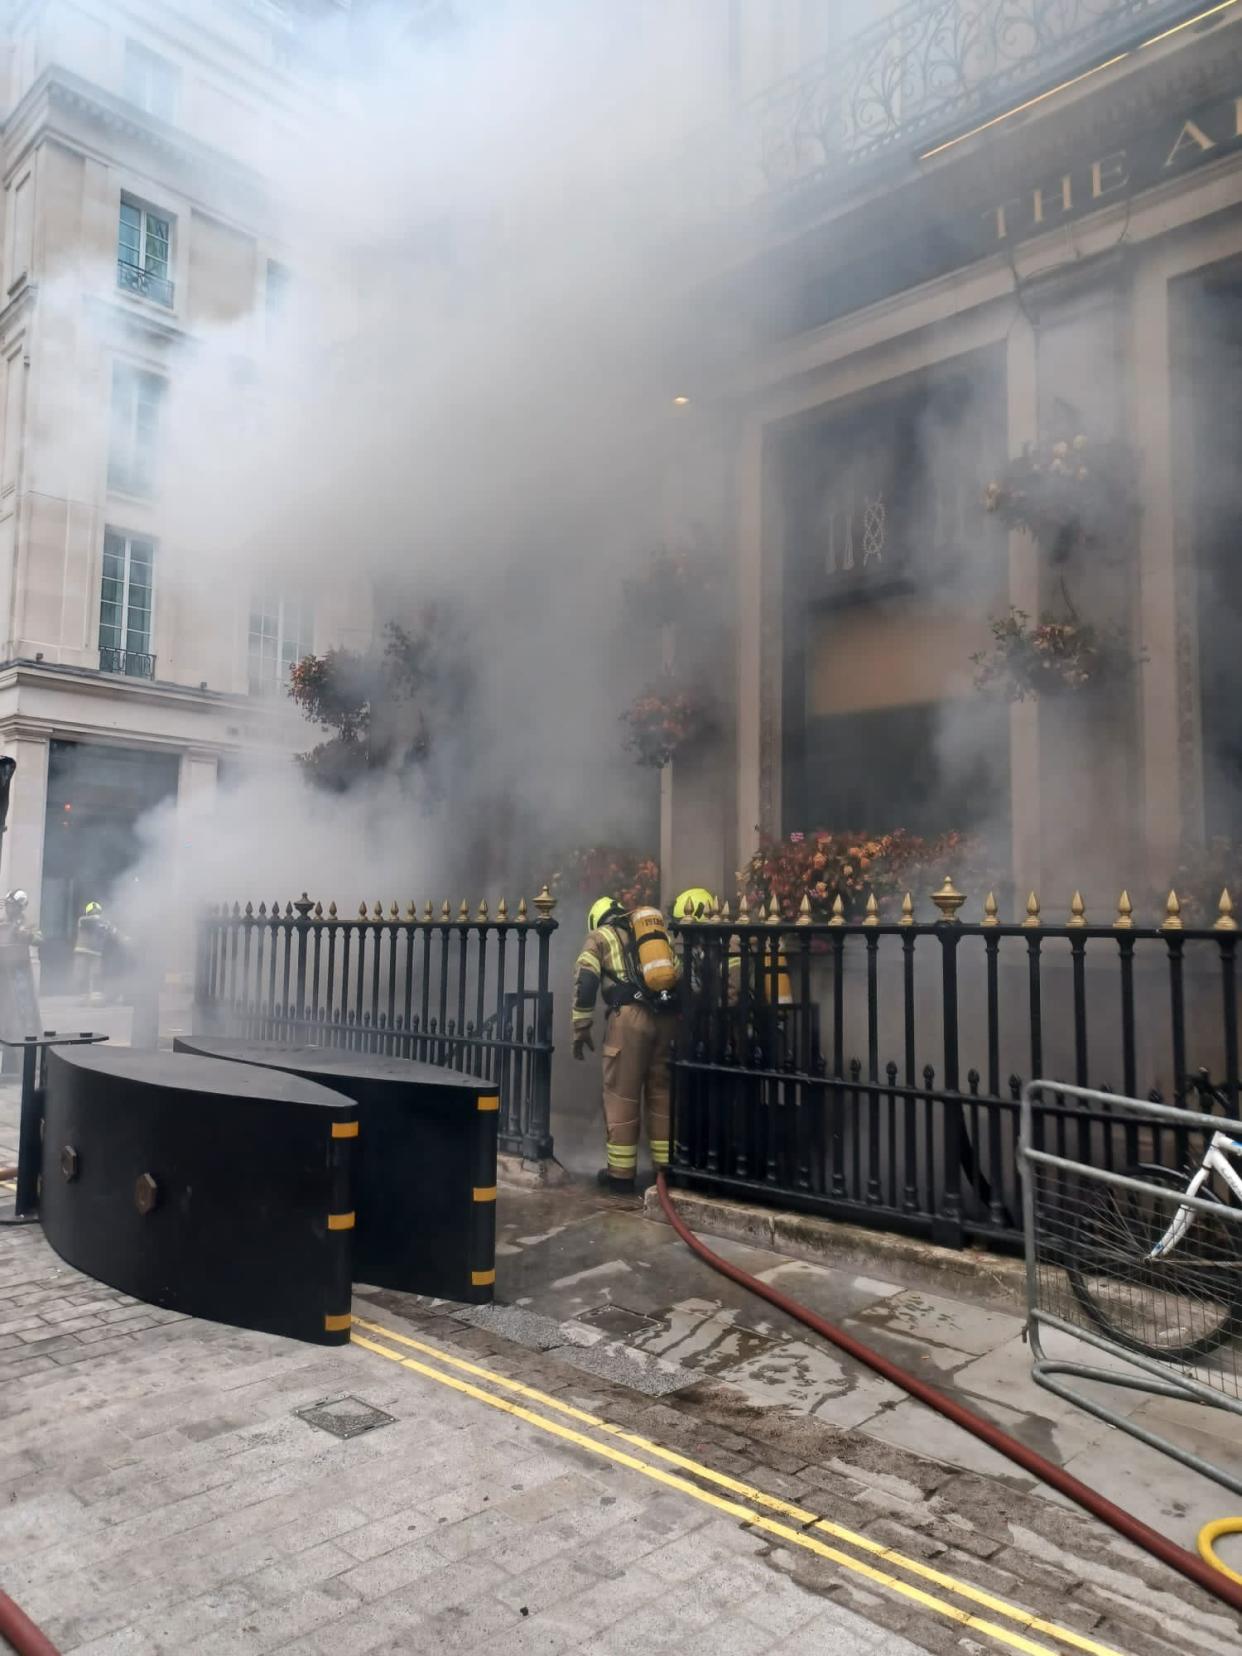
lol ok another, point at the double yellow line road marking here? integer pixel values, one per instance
(1013, 1627)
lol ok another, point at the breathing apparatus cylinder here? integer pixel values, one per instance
(657, 965)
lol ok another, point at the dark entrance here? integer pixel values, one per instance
(1214, 386)
(95, 797)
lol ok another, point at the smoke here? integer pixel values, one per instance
(464, 399)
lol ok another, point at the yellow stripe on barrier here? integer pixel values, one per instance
(344, 1129)
(340, 1221)
(801, 1515)
(492, 1102)
(482, 1279)
(334, 1324)
(485, 1193)
(734, 1509)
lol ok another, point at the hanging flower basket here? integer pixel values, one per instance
(1051, 657)
(632, 877)
(663, 723)
(1070, 496)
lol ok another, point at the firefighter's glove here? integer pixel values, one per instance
(583, 1043)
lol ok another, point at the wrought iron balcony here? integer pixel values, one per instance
(128, 663)
(929, 70)
(135, 279)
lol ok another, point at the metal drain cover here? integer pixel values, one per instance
(344, 1417)
(616, 1319)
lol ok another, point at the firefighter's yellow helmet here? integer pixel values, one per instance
(602, 910)
(697, 903)
(93, 908)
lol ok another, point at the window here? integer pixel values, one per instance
(143, 248)
(136, 399)
(125, 605)
(151, 81)
(281, 633)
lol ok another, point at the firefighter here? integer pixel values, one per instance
(640, 1023)
(88, 949)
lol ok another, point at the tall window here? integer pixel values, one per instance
(143, 250)
(281, 633)
(125, 605)
(151, 81)
(136, 399)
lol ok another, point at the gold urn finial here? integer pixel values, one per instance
(838, 911)
(1078, 911)
(990, 910)
(1172, 914)
(948, 900)
(1032, 911)
(545, 902)
(872, 916)
(1125, 913)
(907, 910)
(1226, 921)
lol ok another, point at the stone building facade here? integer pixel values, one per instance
(960, 240)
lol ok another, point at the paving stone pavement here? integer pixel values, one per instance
(159, 1493)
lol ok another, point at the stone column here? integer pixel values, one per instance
(694, 826)
(21, 859)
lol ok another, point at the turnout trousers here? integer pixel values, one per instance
(637, 1050)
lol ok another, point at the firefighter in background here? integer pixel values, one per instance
(88, 949)
(628, 961)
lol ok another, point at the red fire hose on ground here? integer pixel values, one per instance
(1177, 1558)
(17, 1629)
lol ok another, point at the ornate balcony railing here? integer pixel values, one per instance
(931, 69)
(129, 663)
(135, 279)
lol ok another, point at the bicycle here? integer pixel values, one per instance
(1167, 1287)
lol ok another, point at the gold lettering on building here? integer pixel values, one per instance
(1109, 173)
(1038, 200)
(1191, 135)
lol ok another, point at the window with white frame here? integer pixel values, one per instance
(132, 452)
(144, 252)
(125, 604)
(151, 81)
(281, 633)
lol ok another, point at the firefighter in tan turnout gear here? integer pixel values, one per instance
(629, 963)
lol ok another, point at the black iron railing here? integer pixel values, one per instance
(872, 1070)
(130, 663)
(135, 279)
(928, 70)
(470, 991)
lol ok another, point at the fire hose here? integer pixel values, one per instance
(1205, 1572)
(17, 1629)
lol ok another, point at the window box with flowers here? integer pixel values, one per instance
(823, 866)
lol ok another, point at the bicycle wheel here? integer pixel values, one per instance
(1177, 1308)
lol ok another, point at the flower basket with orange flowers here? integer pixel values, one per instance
(822, 866)
(662, 722)
(632, 877)
(1051, 657)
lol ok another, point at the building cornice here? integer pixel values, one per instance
(108, 686)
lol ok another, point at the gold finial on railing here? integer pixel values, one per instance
(948, 900)
(1078, 911)
(1125, 913)
(332, 909)
(379, 911)
(362, 911)
(872, 916)
(804, 910)
(482, 914)
(318, 910)
(411, 910)
(990, 913)
(1172, 914)
(907, 910)
(838, 911)
(463, 911)
(724, 911)
(1032, 911)
(446, 910)
(249, 910)
(743, 911)
(427, 912)
(1226, 921)
(394, 913)
(774, 913)
(545, 902)
(502, 910)
(521, 913)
